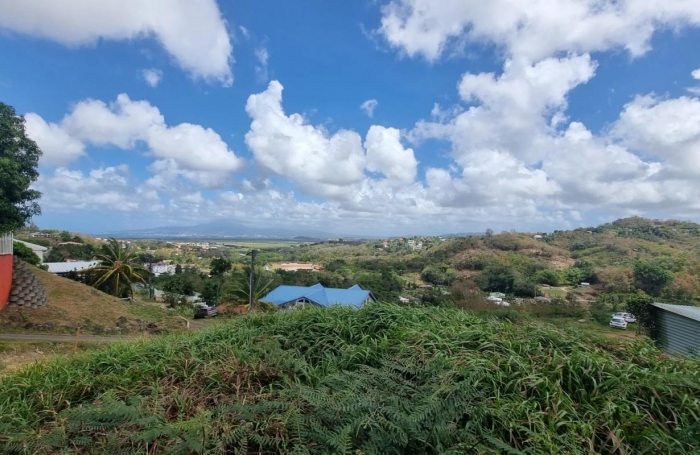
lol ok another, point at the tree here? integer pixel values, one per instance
(19, 158)
(219, 266)
(65, 236)
(616, 280)
(652, 278)
(118, 270)
(434, 275)
(549, 276)
(684, 289)
(178, 284)
(639, 305)
(239, 288)
(60, 253)
(579, 272)
(496, 278)
(210, 292)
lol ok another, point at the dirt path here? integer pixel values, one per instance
(62, 338)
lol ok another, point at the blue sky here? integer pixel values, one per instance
(502, 115)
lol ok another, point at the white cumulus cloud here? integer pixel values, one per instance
(321, 163)
(667, 130)
(385, 154)
(58, 146)
(191, 31)
(194, 151)
(317, 161)
(109, 189)
(532, 30)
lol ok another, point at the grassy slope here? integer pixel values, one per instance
(14, 354)
(74, 304)
(384, 379)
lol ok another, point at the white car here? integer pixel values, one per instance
(618, 322)
(628, 317)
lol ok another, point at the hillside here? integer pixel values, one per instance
(72, 305)
(381, 380)
(619, 259)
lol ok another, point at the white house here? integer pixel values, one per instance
(37, 249)
(161, 268)
(43, 235)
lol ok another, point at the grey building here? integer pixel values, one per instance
(677, 328)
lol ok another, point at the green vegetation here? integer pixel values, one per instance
(381, 380)
(19, 158)
(118, 270)
(25, 253)
(621, 260)
(62, 253)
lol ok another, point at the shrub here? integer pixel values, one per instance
(600, 313)
(384, 379)
(25, 253)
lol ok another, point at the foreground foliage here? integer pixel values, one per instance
(384, 379)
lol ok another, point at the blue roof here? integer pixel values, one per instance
(354, 296)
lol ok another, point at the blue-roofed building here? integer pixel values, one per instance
(292, 296)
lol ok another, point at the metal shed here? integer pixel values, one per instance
(678, 328)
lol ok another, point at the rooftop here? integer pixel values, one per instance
(354, 296)
(32, 246)
(691, 312)
(65, 267)
(296, 266)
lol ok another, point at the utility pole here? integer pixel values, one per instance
(150, 275)
(251, 294)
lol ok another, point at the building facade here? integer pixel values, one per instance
(677, 328)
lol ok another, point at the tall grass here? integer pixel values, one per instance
(385, 379)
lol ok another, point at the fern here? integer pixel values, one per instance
(382, 380)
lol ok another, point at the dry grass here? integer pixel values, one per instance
(72, 304)
(15, 354)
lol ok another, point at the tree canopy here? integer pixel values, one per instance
(19, 158)
(117, 271)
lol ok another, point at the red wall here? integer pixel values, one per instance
(5, 278)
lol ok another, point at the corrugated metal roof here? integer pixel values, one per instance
(354, 296)
(32, 246)
(65, 267)
(691, 312)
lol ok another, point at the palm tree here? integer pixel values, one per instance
(239, 290)
(118, 269)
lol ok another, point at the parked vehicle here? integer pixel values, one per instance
(628, 317)
(205, 312)
(618, 322)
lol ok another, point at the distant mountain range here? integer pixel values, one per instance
(223, 230)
